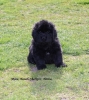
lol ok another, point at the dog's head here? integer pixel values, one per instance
(44, 32)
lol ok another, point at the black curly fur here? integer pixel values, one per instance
(45, 47)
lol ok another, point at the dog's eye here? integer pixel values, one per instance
(40, 32)
(48, 32)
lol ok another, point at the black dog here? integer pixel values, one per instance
(45, 47)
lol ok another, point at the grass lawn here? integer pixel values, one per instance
(20, 81)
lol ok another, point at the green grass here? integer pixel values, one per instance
(71, 18)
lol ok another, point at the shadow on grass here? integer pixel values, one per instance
(76, 53)
(72, 53)
(84, 3)
(87, 51)
(45, 81)
(51, 67)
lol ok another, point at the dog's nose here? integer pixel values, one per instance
(43, 38)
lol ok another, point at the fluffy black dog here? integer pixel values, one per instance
(45, 47)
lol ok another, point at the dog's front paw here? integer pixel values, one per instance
(40, 67)
(64, 65)
(61, 64)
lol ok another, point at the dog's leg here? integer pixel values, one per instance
(58, 60)
(40, 63)
(30, 58)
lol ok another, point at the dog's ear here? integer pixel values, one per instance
(34, 31)
(54, 33)
(52, 27)
(37, 25)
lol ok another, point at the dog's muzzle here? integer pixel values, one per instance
(43, 38)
